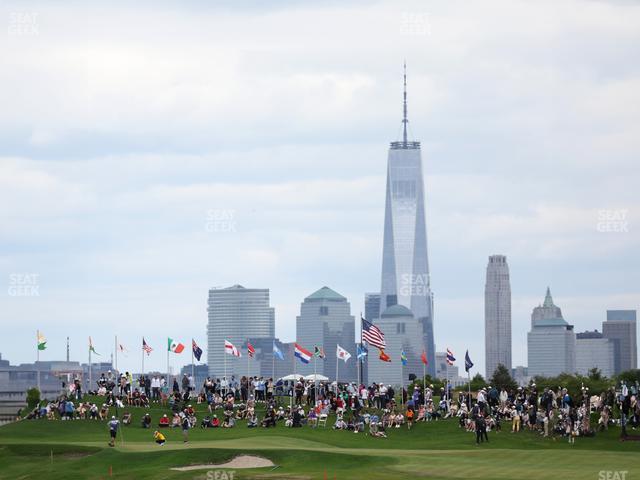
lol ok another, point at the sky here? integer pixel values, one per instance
(152, 150)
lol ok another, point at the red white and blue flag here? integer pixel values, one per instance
(373, 335)
(197, 351)
(450, 357)
(250, 350)
(302, 354)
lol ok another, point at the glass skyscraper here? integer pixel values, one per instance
(497, 315)
(405, 266)
(236, 314)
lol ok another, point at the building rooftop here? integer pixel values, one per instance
(396, 311)
(325, 293)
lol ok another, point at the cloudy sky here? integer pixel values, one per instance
(150, 151)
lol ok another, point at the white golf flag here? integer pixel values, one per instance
(342, 354)
(231, 349)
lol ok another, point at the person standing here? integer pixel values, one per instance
(186, 425)
(113, 430)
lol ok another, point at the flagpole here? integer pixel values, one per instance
(90, 376)
(401, 383)
(116, 349)
(168, 369)
(226, 380)
(337, 363)
(273, 365)
(143, 356)
(469, 379)
(193, 367)
(315, 375)
(248, 370)
(294, 381)
(38, 358)
(360, 360)
(424, 380)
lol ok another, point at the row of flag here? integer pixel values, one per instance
(371, 334)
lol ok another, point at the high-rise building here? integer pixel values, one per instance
(405, 265)
(593, 350)
(497, 315)
(620, 328)
(325, 321)
(372, 306)
(236, 314)
(402, 333)
(551, 341)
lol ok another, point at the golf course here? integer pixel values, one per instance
(78, 449)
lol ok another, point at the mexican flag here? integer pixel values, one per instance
(175, 347)
(42, 342)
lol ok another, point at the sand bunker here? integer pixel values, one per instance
(242, 461)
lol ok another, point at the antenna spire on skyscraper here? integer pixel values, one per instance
(405, 120)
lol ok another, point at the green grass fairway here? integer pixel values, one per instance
(435, 450)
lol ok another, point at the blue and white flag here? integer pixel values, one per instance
(362, 352)
(277, 352)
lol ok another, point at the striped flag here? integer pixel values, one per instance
(231, 349)
(373, 335)
(319, 352)
(250, 350)
(146, 347)
(91, 349)
(42, 341)
(450, 357)
(302, 354)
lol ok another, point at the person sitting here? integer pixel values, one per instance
(298, 415)
(215, 423)
(159, 438)
(269, 419)
(340, 423)
(312, 419)
(146, 421)
(176, 421)
(252, 420)
(164, 421)
(205, 423)
(104, 412)
(126, 418)
(93, 412)
(229, 422)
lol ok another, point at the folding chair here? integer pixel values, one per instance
(322, 419)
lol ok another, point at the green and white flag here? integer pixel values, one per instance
(42, 341)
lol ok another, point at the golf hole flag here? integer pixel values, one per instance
(42, 342)
(342, 354)
(231, 349)
(302, 354)
(173, 346)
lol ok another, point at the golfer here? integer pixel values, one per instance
(113, 430)
(159, 438)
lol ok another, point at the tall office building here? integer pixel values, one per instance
(325, 320)
(593, 350)
(372, 306)
(405, 265)
(402, 333)
(497, 315)
(236, 314)
(551, 341)
(620, 328)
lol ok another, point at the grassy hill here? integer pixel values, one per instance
(78, 449)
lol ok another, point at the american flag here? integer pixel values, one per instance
(146, 347)
(450, 357)
(373, 335)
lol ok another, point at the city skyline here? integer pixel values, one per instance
(137, 170)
